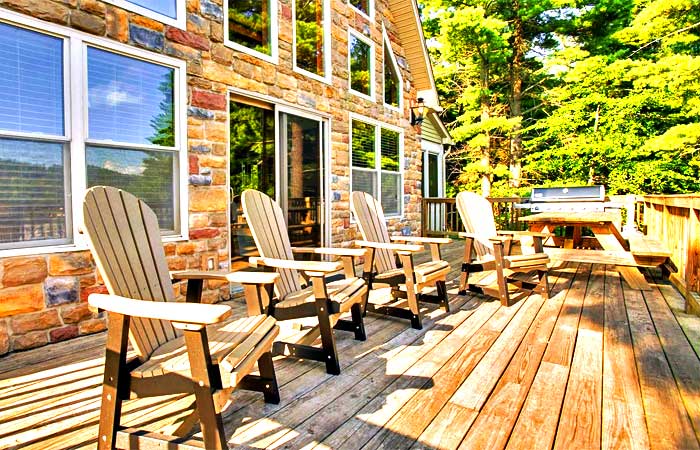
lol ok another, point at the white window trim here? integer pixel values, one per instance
(75, 120)
(327, 70)
(387, 48)
(433, 148)
(377, 159)
(372, 89)
(369, 14)
(274, 45)
(181, 12)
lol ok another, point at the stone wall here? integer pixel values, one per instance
(43, 297)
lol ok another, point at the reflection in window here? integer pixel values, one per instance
(310, 51)
(31, 70)
(362, 5)
(32, 192)
(360, 66)
(392, 86)
(149, 175)
(250, 24)
(376, 164)
(129, 100)
(165, 7)
(252, 166)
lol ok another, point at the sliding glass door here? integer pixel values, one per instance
(281, 153)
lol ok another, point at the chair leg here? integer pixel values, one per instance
(327, 337)
(356, 311)
(442, 294)
(205, 382)
(502, 282)
(113, 385)
(464, 275)
(267, 373)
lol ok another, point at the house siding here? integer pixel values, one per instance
(43, 297)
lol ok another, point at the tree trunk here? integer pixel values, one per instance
(516, 140)
(485, 115)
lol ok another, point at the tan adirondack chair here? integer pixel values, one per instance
(487, 249)
(322, 299)
(187, 348)
(408, 281)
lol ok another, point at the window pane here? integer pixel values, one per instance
(364, 181)
(129, 100)
(362, 5)
(390, 193)
(252, 149)
(164, 7)
(149, 175)
(390, 150)
(309, 36)
(391, 79)
(363, 145)
(359, 65)
(32, 192)
(31, 70)
(433, 175)
(250, 25)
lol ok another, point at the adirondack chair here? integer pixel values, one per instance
(187, 348)
(321, 299)
(487, 249)
(407, 280)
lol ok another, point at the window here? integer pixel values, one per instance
(251, 27)
(361, 54)
(119, 128)
(393, 85)
(363, 6)
(171, 12)
(311, 35)
(376, 163)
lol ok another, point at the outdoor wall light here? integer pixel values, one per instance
(417, 112)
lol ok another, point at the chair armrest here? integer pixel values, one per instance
(422, 240)
(188, 313)
(305, 266)
(242, 277)
(465, 235)
(500, 238)
(389, 246)
(330, 251)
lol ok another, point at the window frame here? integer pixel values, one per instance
(370, 7)
(387, 48)
(327, 48)
(273, 57)
(75, 101)
(378, 126)
(372, 62)
(180, 21)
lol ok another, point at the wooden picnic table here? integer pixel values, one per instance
(615, 249)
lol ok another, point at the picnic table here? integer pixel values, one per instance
(614, 249)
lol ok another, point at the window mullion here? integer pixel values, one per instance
(76, 65)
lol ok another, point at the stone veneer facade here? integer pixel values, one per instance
(43, 297)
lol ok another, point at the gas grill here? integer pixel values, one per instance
(568, 199)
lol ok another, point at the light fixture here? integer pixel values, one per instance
(417, 112)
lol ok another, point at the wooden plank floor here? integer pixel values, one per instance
(597, 365)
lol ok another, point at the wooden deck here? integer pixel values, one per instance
(598, 365)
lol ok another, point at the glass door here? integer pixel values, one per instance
(302, 182)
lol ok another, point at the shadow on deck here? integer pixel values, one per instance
(598, 365)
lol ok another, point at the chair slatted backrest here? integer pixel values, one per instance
(266, 221)
(126, 244)
(477, 216)
(370, 218)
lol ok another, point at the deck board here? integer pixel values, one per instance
(598, 365)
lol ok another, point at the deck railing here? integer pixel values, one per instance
(439, 216)
(672, 219)
(675, 221)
